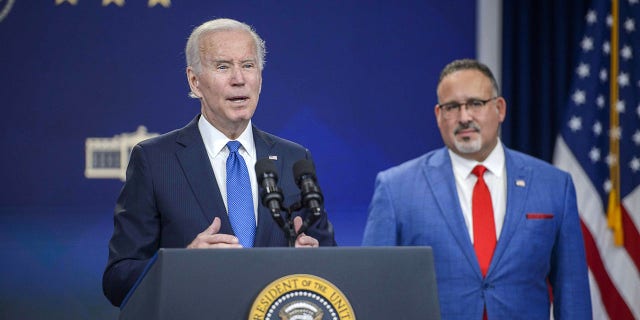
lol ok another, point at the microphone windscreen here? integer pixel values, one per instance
(304, 167)
(263, 166)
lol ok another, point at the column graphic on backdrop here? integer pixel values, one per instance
(107, 158)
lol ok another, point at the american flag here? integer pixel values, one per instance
(599, 145)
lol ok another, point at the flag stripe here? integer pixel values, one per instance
(631, 238)
(597, 308)
(613, 302)
(632, 204)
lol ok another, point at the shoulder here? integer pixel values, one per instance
(277, 141)
(540, 167)
(267, 143)
(183, 136)
(411, 168)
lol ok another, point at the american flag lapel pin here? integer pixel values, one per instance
(274, 158)
(520, 183)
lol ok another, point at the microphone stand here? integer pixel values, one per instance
(286, 223)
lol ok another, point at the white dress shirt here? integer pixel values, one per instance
(495, 178)
(216, 144)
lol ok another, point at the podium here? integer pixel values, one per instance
(374, 282)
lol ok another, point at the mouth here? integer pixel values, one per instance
(466, 130)
(238, 99)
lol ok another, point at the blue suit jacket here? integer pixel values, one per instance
(171, 195)
(416, 204)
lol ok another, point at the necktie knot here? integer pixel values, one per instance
(233, 146)
(479, 170)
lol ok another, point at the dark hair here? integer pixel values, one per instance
(469, 64)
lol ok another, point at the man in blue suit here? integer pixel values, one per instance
(177, 194)
(503, 226)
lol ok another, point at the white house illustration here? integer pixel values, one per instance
(107, 158)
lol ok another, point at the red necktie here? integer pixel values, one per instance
(484, 228)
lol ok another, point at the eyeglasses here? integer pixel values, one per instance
(452, 109)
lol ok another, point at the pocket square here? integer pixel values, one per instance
(537, 216)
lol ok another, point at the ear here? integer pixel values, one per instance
(192, 78)
(501, 106)
(436, 111)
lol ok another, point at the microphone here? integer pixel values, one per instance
(271, 195)
(304, 174)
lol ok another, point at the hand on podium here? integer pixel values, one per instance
(210, 238)
(303, 240)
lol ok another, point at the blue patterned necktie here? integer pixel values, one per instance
(239, 198)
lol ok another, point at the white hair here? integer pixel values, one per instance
(191, 50)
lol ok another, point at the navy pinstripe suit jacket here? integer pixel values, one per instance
(171, 195)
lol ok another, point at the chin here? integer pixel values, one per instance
(467, 147)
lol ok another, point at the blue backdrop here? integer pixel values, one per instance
(353, 81)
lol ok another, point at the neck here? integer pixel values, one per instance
(230, 130)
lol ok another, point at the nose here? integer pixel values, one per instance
(237, 77)
(465, 115)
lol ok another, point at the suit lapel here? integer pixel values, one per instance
(197, 169)
(439, 175)
(518, 179)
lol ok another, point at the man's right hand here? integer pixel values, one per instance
(210, 238)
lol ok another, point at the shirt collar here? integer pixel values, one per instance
(494, 162)
(217, 141)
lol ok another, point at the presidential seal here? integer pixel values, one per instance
(301, 297)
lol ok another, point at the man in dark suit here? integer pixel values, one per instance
(183, 187)
(503, 225)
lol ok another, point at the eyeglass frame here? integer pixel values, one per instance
(469, 105)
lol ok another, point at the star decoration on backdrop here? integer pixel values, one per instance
(71, 2)
(119, 3)
(164, 3)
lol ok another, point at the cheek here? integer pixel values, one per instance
(258, 82)
(446, 127)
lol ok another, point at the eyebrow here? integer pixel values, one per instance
(465, 100)
(218, 61)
